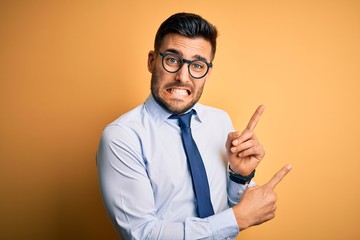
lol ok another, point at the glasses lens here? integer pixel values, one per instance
(198, 69)
(172, 63)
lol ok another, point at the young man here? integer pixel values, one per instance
(161, 179)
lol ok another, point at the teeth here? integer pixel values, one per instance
(181, 92)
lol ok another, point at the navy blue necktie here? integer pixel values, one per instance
(199, 178)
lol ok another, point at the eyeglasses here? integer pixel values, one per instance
(172, 63)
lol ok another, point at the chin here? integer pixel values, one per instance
(175, 106)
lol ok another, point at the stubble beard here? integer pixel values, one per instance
(174, 105)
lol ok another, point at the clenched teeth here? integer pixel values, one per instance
(181, 92)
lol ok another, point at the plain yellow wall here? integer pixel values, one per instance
(67, 68)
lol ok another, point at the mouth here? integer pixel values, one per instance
(181, 92)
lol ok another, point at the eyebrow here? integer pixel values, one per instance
(197, 56)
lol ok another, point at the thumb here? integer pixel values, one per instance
(231, 137)
(278, 176)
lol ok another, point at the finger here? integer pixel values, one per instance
(245, 136)
(256, 152)
(243, 146)
(279, 176)
(234, 135)
(232, 138)
(255, 118)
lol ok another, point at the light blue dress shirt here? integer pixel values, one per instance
(145, 181)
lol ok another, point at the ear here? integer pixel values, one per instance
(151, 61)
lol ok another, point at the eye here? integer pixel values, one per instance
(198, 66)
(172, 60)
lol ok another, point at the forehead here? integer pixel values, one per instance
(187, 47)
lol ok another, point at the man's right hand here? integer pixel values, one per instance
(257, 204)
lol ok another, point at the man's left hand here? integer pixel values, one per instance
(244, 149)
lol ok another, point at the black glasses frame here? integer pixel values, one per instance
(182, 61)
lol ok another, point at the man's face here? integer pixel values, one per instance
(178, 92)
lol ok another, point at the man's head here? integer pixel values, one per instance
(188, 25)
(185, 46)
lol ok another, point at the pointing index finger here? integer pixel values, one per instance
(279, 176)
(255, 118)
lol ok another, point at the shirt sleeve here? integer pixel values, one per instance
(236, 190)
(129, 200)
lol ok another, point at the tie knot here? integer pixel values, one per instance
(184, 119)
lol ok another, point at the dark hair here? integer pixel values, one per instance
(188, 25)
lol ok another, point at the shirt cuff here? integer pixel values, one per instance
(223, 225)
(236, 190)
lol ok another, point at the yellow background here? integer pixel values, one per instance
(67, 68)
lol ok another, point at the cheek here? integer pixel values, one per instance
(157, 69)
(199, 90)
(199, 86)
(163, 77)
(158, 80)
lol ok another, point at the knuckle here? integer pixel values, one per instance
(274, 197)
(251, 133)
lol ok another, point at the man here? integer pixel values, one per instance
(146, 170)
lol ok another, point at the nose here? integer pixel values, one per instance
(183, 74)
